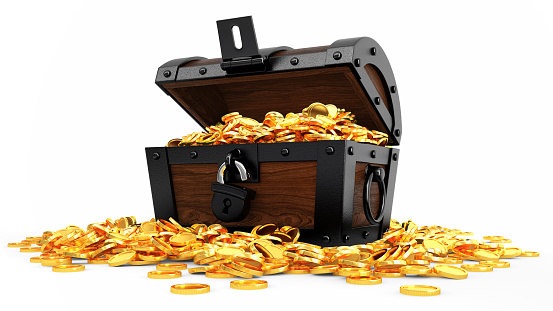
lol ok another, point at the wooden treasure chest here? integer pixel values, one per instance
(336, 190)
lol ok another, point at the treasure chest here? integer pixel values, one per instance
(337, 192)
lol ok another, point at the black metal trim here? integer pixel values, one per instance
(358, 52)
(217, 155)
(329, 197)
(390, 185)
(160, 183)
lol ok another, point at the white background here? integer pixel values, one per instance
(79, 104)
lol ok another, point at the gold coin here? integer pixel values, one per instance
(152, 256)
(36, 259)
(68, 268)
(529, 254)
(143, 262)
(324, 269)
(275, 268)
(332, 110)
(364, 280)
(511, 252)
(478, 268)
(388, 273)
(413, 262)
(246, 268)
(98, 261)
(353, 272)
(228, 268)
(415, 269)
(201, 269)
(435, 244)
(249, 259)
(317, 109)
(122, 258)
(483, 254)
(50, 262)
(452, 261)
(249, 122)
(190, 289)
(248, 284)
(419, 290)
(390, 264)
(182, 239)
(451, 272)
(496, 264)
(228, 252)
(164, 274)
(298, 270)
(218, 274)
(30, 249)
(162, 245)
(171, 266)
(19, 245)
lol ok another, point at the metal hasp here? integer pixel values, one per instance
(231, 202)
(247, 58)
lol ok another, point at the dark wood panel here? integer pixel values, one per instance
(359, 218)
(253, 96)
(285, 194)
(379, 83)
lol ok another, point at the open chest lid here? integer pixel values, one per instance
(353, 74)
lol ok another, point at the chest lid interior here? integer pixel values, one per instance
(353, 74)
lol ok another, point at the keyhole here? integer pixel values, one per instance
(237, 37)
(227, 203)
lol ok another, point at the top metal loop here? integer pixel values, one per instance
(241, 169)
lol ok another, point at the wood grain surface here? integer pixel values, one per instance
(254, 95)
(285, 195)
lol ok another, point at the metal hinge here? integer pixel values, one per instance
(246, 58)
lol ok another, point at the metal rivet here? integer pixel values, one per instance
(346, 238)
(167, 73)
(373, 51)
(294, 61)
(350, 150)
(357, 62)
(393, 88)
(337, 55)
(377, 100)
(193, 154)
(395, 156)
(397, 132)
(203, 71)
(373, 154)
(366, 235)
(156, 156)
(326, 239)
(285, 152)
(329, 150)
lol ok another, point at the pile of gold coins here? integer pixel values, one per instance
(405, 249)
(314, 123)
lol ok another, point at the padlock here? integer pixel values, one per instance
(230, 202)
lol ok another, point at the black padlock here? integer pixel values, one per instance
(230, 203)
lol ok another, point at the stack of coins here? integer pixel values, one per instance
(405, 249)
(314, 123)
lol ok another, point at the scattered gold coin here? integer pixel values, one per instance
(164, 274)
(419, 290)
(190, 289)
(68, 268)
(249, 284)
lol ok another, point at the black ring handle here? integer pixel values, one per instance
(378, 174)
